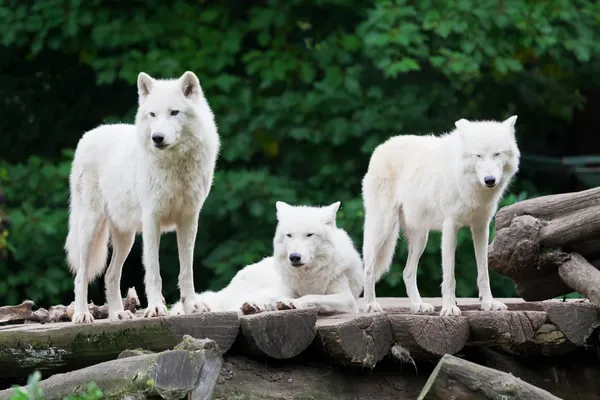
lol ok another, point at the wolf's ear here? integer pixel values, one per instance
(282, 208)
(462, 123)
(145, 84)
(511, 121)
(190, 85)
(330, 213)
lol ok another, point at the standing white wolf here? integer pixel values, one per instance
(151, 177)
(423, 183)
(314, 264)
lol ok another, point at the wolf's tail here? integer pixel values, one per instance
(98, 250)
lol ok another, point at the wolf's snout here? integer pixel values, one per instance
(490, 181)
(158, 138)
(295, 258)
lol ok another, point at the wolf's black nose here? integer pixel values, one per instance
(295, 258)
(158, 138)
(489, 180)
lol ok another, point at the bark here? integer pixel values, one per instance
(455, 378)
(170, 375)
(65, 346)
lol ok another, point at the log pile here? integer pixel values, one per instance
(550, 246)
(286, 350)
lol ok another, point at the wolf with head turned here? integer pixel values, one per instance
(151, 177)
(314, 264)
(423, 183)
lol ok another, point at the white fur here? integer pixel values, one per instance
(423, 183)
(330, 279)
(122, 184)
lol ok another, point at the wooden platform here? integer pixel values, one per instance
(532, 328)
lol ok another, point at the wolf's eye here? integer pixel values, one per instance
(152, 115)
(174, 112)
(309, 234)
(478, 155)
(496, 154)
(289, 235)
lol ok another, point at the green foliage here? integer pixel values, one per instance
(302, 92)
(33, 391)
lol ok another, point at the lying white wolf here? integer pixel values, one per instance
(151, 177)
(314, 264)
(420, 183)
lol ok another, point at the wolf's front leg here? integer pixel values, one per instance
(152, 279)
(449, 233)
(340, 300)
(481, 236)
(186, 238)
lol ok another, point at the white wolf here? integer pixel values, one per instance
(151, 177)
(314, 264)
(422, 183)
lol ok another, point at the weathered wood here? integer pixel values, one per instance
(577, 320)
(503, 327)
(425, 336)
(18, 313)
(171, 374)
(244, 378)
(582, 276)
(565, 377)
(541, 243)
(548, 341)
(213, 362)
(278, 334)
(455, 378)
(362, 340)
(66, 346)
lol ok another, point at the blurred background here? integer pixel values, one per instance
(302, 91)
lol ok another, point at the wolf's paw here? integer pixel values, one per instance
(120, 315)
(421, 307)
(372, 308)
(82, 318)
(493, 305)
(195, 307)
(450, 311)
(155, 310)
(253, 307)
(290, 304)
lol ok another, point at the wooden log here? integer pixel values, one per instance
(172, 374)
(536, 237)
(577, 320)
(245, 378)
(503, 327)
(429, 336)
(548, 341)
(455, 378)
(549, 207)
(18, 313)
(278, 334)
(349, 339)
(65, 346)
(213, 362)
(582, 276)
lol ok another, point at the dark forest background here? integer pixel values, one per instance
(303, 91)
